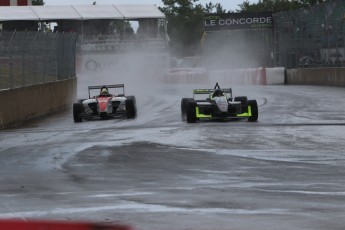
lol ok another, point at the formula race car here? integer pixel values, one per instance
(219, 104)
(105, 104)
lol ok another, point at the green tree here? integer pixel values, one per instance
(185, 24)
(38, 2)
(276, 5)
(214, 8)
(121, 27)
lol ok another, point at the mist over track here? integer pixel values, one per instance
(285, 171)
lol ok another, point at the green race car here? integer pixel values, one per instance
(219, 104)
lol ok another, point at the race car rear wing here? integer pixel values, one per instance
(108, 86)
(228, 92)
(208, 91)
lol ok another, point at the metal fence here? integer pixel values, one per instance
(311, 37)
(28, 58)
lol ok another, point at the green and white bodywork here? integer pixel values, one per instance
(218, 104)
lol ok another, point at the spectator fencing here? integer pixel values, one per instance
(311, 37)
(30, 57)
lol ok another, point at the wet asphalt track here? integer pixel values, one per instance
(285, 171)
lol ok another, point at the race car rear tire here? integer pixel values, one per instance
(78, 109)
(244, 103)
(191, 111)
(254, 109)
(184, 102)
(131, 110)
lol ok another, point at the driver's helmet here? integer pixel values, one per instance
(104, 91)
(217, 93)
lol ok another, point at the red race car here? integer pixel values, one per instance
(108, 103)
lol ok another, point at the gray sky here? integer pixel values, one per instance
(227, 4)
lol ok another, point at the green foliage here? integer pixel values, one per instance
(38, 2)
(276, 5)
(185, 24)
(185, 19)
(119, 27)
(214, 8)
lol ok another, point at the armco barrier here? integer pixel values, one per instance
(316, 76)
(22, 104)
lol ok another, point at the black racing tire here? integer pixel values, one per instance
(133, 98)
(244, 103)
(131, 110)
(191, 111)
(184, 102)
(78, 109)
(254, 109)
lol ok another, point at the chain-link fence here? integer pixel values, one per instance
(28, 58)
(311, 37)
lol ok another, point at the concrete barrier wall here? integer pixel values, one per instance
(261, 76)
(316, 76)
(20, 105)
(249, 76)
(185, 76)
(275, 76)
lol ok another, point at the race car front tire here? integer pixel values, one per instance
(184, 102)
(244, 103)
(191, 111)
(78, 109)
(133, 98)
(131, 110)
(254, 109)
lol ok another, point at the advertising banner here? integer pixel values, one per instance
(238, 21)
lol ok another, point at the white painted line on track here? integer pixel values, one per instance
(132, 207)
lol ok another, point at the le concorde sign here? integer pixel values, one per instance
(238, 21)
